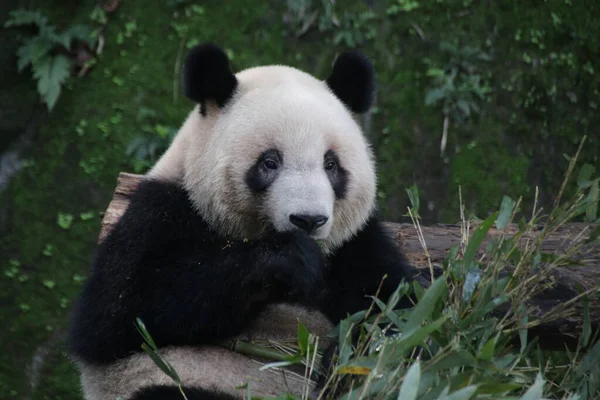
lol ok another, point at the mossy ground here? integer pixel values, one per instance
(512, 144)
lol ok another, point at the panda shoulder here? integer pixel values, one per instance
(373, 232)
(374, 242)
(156, 202)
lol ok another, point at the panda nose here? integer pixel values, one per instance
(308, 223)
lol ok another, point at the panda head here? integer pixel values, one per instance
(273, 148)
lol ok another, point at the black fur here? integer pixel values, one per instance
(357, 262)
(260, 176)
(208, 76)
(157, 392)
(352, 80)
(338, 176)
(357, 268)
(162, 263)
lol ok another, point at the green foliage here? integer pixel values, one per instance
(49, 283)
(48, 250)
(51, 73)
(64, 220)
(98, 15)
(145, 148)
(415, 202)
(50, 68)
(585, 181)
(453, 344)
(458, 84)
(399, 6)
(349, 26)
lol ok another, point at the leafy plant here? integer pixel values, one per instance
(152, 350)
(98, 15)
(48, 250)
(590, 202)
(458, 86)
(349, 27)
(64, 220)
(399, 6)
(145, 148)
(47, 52)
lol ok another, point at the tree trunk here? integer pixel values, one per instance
(569, 281)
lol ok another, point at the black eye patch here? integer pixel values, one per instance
(264, 171)
(338, 176)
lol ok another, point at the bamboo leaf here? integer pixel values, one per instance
(461, 358)
(487, 351)
(523, 334)
(472, 279)
(353, 370)
(344, 340)
(426, 304)
(278, 364)
(410, 385)
(462, 394)
(591, 211)
(161, 363)
(303, 337)
(411, 339)
(477, 238)
(535, 392)
(590, 360)
(506, 210)
(141, 327)
(585, 175)
(413, 196)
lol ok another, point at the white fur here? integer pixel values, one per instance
(300, 189)
(274, 106)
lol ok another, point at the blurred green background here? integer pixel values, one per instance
(506, 88)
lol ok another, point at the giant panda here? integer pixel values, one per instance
(259, 214)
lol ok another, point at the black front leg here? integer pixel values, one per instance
(357, 271)
(215, 297)
(162, 263)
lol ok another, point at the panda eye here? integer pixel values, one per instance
(330, 165)
(270, 164)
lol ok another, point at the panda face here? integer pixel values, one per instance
(284, 154)
(298, 192)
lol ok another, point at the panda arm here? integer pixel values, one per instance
(357, 270)
(163, 264)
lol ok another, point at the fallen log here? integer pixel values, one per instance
(440, 238)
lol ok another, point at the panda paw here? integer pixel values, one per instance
(299, 266)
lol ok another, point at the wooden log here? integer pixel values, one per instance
(440, 238)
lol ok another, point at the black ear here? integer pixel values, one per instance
(352, 80)
(207, 76)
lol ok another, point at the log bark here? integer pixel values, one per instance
(440, 238)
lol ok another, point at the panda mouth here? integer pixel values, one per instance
(321, 233)
(318, 236)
